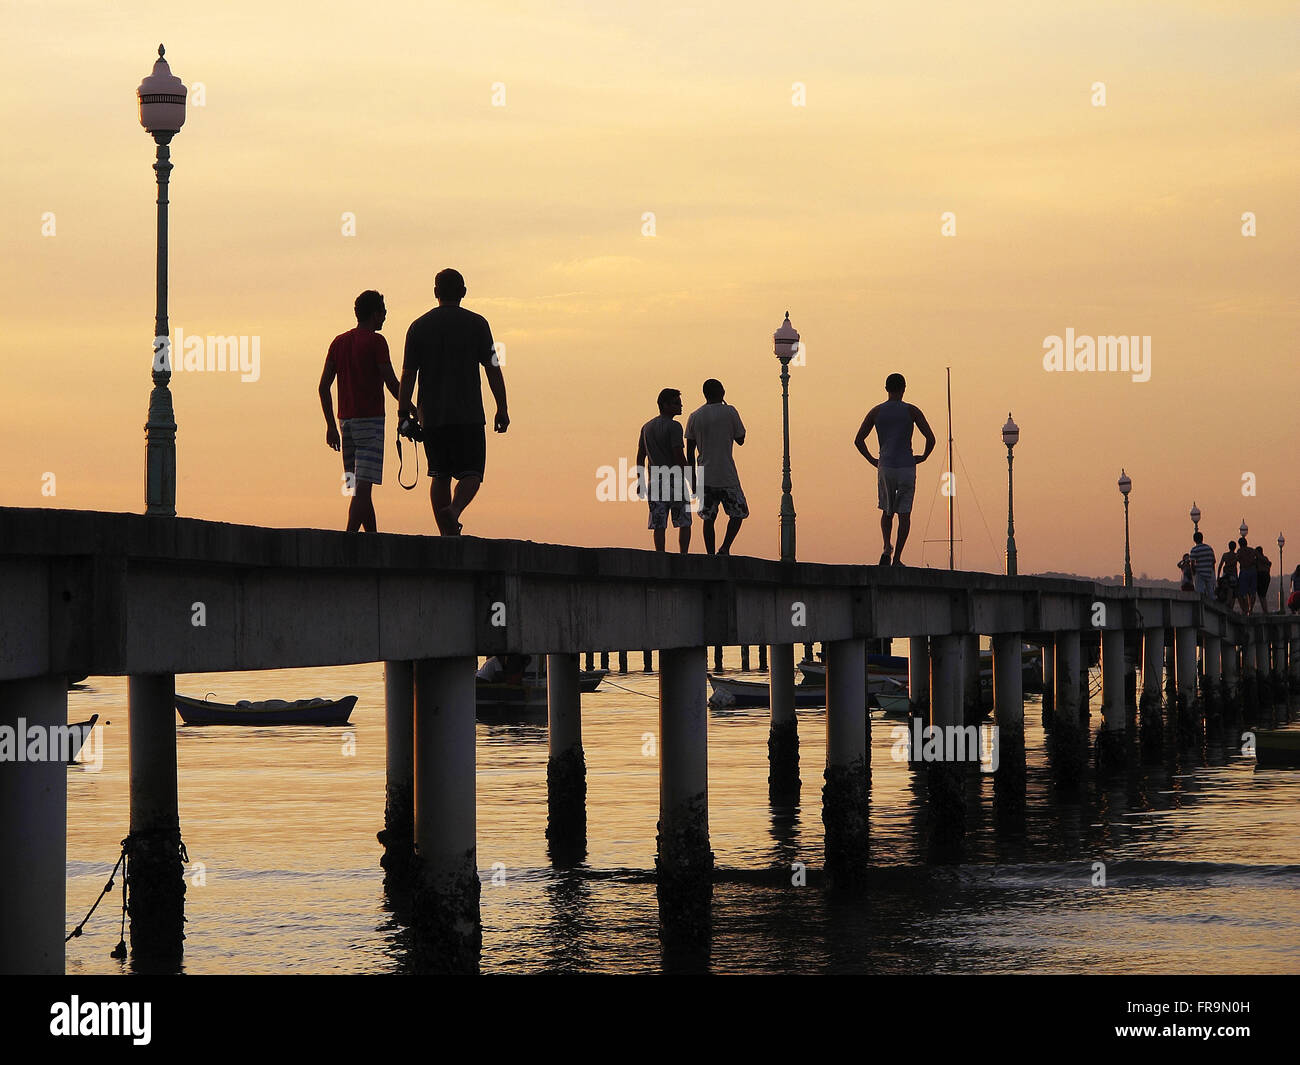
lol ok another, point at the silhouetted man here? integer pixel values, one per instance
(359, 359)
(666, 484)
(713, 428)
(896, 468)
(444, 349)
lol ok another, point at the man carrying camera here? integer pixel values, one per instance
(359, 359)
(444, 349)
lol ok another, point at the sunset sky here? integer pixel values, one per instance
(1116, 219)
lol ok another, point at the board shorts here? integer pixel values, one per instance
(895, 486)
(1261, 583)
(1246, 584)
(661, 509)
(457, 451)
(1205, 585)
(363, 448)
(732, 501)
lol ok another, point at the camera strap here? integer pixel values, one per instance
(416, 446)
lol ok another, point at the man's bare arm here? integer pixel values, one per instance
(326, 382)
(926, 431)
(497, 382)
(864, 431)
(405, 393)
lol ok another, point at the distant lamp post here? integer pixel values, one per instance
(1196, 517)
(162, 113)
(786, 340)
(1244, 529)
(1010, 434)
(1126, 486)
(1281, 575)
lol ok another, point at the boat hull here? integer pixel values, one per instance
(198, 712)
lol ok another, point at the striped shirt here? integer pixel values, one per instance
(1203, 559)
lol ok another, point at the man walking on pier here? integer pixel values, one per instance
(893, 421)
(444, 349)
(666, 484)
(1203, 562)
(359, 359)
(712, 429)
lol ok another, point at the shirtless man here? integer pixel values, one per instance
(893, 422)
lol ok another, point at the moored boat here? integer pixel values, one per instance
(267, 712)
(80, 734)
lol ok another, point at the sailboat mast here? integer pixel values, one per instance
(951, 486)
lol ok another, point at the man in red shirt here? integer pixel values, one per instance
(359, 359)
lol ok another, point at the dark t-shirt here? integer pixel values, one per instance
(447, 346)
(360, 358)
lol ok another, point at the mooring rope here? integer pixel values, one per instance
(620, 687)
(120, 864)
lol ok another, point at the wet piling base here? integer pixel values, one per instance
(783, 781)
(398, 839)
(845, 811)
(1009, 778)
(684, 871)
(1152, 731)
(566, 801)
(1067, 750)
(446, 929)
(1110, 752)
(1188, 713)
(947, 803)
(155, 885)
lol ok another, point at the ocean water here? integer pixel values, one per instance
(1202, 863)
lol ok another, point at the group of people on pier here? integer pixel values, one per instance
(1239, 579)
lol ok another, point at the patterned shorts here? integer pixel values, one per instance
(732, 501)
(363, 448)
(659, 511)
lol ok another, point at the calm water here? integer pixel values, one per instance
(1202, 864)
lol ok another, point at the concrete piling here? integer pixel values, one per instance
(972, 697)
(1049, 682)
(33, 833)
(1152, 702)
(684, 860)
(398, 836)
(449, 932)
(566, 765)
(744, 657)
(783, 736)
(622, 662)
(1009, 718)
(762, 658)
(155, 853)
(845, 795)
(947, 776)
(918, 690)
(1111, 746)
(1186, 708)
(1068, 745)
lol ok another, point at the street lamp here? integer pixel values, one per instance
(1126, 486)
(1244, 529)
(1281, 575)
(162, 113)
(1196, 517)
(786, 340)
(1010, 434)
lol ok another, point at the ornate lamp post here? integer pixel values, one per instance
(786, 340)
(1126, 486)
(1281, 575)
(1010, 434)
(162, 113)
(1244, 528)
(1196, 517)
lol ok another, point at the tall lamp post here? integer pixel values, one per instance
(1196, 517)
(786, 340)
(162, 113)
(1010, 434)
(1243, 528)
(1126, 486)
(1281, 575)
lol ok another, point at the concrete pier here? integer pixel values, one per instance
(848, 767)
(449, 932)
(33, 833)
(1111, 746)
(155, 853)
(1212, 684)
(1069, 741)
(684, 860)
(947, 777)
(1152, 702)
(972, 697)
(1049, 683)
(566, 764)
(783, 736)
(398, 836)
(1009, 717)
(1263, 675)
(1187, 708)
(1249, 678)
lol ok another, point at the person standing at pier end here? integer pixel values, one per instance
(1228, 570)
(359, 359)
(444, 349)
(666, 483)
(1245, 576)
(712, 429)
(1203, 560)
(893, 422)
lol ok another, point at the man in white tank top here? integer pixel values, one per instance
(893, 421)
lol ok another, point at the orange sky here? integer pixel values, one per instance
(1123, 219)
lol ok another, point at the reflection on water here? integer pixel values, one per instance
(1200, 862)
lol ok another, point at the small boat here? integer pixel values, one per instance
(731, 694)
(526, 697)
(268, 712)
(1277, 749)
(80, 733)
(879, 667)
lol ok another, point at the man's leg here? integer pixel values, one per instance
(709, 531)
(439, 498)
(359, 506)
(904, 527)
(466, 489)
(684, 539)
(660, 536)
(733, 527)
